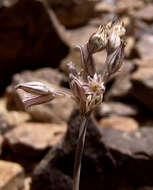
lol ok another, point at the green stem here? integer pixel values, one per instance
(79, 153)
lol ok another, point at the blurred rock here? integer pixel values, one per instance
(49, 75)
(121, 84)
(104, 6)
(137, 143)
(116, 109)
(119, 123)
(33, 139)
(26, 41)
(1, 142)
(7, 3)
(73, 13)
(130, 5)
(131, 152)
(10, 119)
(146, 188)
(58, 111)
(11, 175)
(27, 183)
(120, 88)
(144, 46)
(129, 46)
(145, 13)
(53, 180)
(143, 62)
(142, 86)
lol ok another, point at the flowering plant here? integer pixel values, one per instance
(87, 86)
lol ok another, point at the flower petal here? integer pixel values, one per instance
(36, 100)
(34, 88)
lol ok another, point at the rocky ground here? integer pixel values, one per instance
(37, 39)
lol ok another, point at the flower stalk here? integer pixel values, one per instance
(79, 152)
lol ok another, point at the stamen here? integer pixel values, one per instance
(94, 86)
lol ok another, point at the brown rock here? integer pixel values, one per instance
(121, 84)
(26, 41)
(144, 46)
(142, 86)
(1, 142)
(131, 152)
(143, 62)
(130, 42)
(27, 183)
(145, 13)
(73, 13)
(116, 109)
(58, 111)
(124, 5)
(119, 123)
(33, 139)
(80, 35)
(7, 3)
(103, 6)
(11, 175)
(120, 88)
(10, 119)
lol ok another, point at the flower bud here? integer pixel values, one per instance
(98, 40)
(115, 30)
(37, 93)
(34, 88)
(114, 60)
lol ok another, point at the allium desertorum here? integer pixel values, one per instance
(87, 86)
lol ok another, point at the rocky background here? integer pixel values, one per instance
(37, 39)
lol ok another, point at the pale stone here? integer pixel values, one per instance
(33, 139)
(119, 123)
(11, 176)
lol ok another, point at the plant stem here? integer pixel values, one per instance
(79, 153)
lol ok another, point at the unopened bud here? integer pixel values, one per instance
(114, 60)
(115, 30)
(98, 40)
(37, 93)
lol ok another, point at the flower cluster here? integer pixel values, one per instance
(87, 86)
